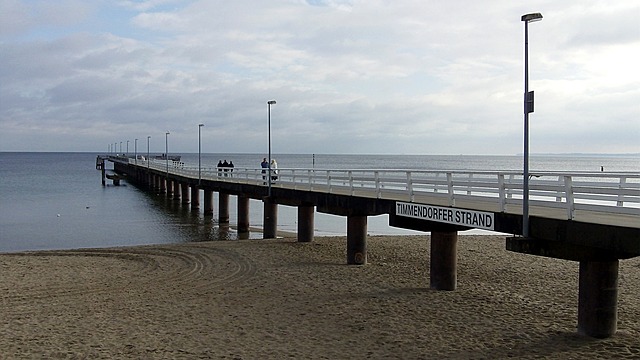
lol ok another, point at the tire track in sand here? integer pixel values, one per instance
(69, 273)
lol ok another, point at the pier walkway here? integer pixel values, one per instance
(592, 218)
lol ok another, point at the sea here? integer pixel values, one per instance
(55, 201)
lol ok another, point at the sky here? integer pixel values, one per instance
(348, 76)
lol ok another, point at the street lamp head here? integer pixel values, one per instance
(167, 133)
(200, 124)
(271, 102)
(531, 17)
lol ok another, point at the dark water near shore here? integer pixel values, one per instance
(56, 200)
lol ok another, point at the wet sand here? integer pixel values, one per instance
(277, 299)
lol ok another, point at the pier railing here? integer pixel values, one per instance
(561, 193)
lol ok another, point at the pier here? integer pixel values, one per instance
(591, 218)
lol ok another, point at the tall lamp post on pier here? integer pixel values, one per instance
(127, 153)
(166, 151)
(148, 159)
(135, 151)
(199, 154)
(120, 147)
(528, 108)
(269, 103)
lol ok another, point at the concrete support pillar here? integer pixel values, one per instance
(155, 184)
(195, 197)
(357, 239)
(223, 208)
(184, 191)
(163, 185)
(169, 185)
(598, 298)
(176, 189)
(305, 223)
(444, 260)
(270, 219)
(243, 214)
(208, 201)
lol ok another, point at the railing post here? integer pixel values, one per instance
(450, 189)
(350, 174)
(293, 178)
(560, 193)
(509, 191)
(410, 186)
(501, 192)
(568, 189)
(623, 181)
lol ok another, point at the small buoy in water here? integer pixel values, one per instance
(87, 207)
(58, 215)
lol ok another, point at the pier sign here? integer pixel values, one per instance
(462, 217)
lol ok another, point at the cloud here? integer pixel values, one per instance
(349, 76)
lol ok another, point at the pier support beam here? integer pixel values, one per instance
(357, 239)
(444, 260)
(223, 208)
(163, 185)
(155, 182)
(243, 214)
(208, 201)
(305, 223)
(169, 184)
(270, 219)
(176, 190)
(184, 190)
(195, 197)
(598, 298)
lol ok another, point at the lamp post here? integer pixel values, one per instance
(528, 108)
(269, 103)
(120, 147)
(200, 153)
(166, 152)
(127, 148)
(148, 159)
(135, 151)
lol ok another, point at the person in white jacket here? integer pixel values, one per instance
(274, 170)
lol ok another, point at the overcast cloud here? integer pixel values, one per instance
(349, 76)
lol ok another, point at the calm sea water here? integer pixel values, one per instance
(57, 201)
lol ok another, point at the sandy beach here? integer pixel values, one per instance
(277, 299)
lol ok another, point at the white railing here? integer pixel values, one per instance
(500, 191)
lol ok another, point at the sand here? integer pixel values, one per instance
(279, 299)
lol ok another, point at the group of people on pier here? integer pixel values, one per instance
(274, 169)
(224, 167)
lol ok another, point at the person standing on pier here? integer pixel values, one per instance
(264, 164)
(225, 167)
(274, 170)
